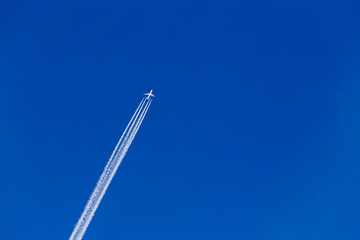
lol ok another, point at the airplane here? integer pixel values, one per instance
(149, 94)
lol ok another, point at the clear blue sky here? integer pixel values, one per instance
(254, 132)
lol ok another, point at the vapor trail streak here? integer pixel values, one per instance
(110, 169)
(141, 119)
(114, 156)
(137, 126)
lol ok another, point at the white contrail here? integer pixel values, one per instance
(141, 119)
(133, 133)
(110, 169)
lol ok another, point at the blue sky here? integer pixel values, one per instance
(254, 132)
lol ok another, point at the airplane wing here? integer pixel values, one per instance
(149, 94)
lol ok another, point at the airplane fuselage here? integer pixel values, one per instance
(149, 95)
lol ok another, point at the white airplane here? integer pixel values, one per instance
(149, 94)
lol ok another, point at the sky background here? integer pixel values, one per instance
(253, 134)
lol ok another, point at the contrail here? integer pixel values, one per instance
(111, 168)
